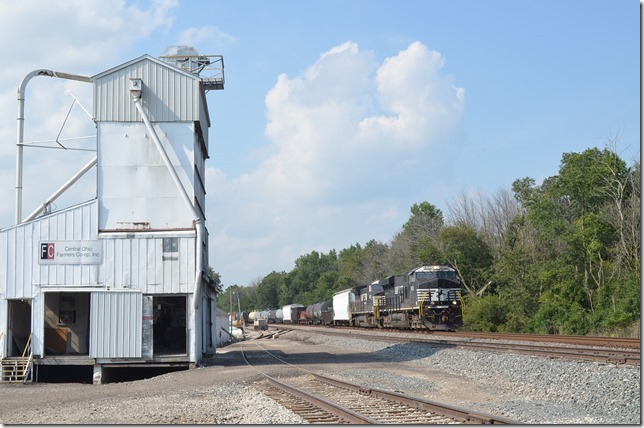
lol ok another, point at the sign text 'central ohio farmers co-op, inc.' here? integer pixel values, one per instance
(70, 252)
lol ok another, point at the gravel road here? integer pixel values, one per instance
(528, 389)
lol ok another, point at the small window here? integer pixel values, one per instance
(170, 245)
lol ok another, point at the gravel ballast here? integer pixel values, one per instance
(527, 389)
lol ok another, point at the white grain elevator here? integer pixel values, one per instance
(121, 280)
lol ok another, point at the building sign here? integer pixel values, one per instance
(70, 252)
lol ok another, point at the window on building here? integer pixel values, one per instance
(170, 245)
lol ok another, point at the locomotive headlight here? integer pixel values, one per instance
(454, 302)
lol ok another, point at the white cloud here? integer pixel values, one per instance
(76, 36)
(351, 141)
(211, 38)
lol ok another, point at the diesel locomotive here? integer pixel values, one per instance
(427, 297)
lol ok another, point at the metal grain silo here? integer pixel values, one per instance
(121, 278)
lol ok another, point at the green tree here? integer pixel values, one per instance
(464, 250)
(215, 279)
(415, 244)
(487, 313)
(350, 267)
(267, 290)
(303, 279)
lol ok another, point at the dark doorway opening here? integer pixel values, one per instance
(67, 317)
(19, 327)
(169, 325)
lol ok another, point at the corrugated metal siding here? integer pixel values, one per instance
(19, 267)
(134, 184)
(115, 324)
(168, 95)
(141, 263)
(38, 324)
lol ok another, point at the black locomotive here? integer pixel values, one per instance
(428, 297)
(425, 297)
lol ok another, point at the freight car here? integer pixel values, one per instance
(291, 313)
(319, 313)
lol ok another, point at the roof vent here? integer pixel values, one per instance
(188, 59)
(180, 51)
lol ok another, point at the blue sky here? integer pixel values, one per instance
(337, 116)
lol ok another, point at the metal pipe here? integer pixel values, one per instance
(175, 177)
(57, 193)
(21, 125)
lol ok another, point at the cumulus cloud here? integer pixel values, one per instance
(78, 37)
(211, 38)
(346, 135)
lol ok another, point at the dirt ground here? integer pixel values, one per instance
(212, 394)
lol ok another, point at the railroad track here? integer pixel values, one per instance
(321, 399)
(556, 350)
(610, 342)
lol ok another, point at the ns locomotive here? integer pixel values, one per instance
(427, 297)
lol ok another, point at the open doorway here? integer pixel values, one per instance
(169, 325)
(67, 323)
(19, 326)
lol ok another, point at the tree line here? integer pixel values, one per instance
(559, 257)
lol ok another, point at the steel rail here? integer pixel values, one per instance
(608, 355)
(614, 342)
(333, 409)
(342, 412)
(431, 406)
(455, 412)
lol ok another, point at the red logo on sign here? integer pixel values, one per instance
(47, 251)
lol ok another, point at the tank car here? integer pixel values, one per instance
(310, 314)
(324, 312)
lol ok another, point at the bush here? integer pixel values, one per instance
(488, 313)
(549, 319)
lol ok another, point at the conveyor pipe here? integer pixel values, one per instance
(136, 95)
(21, 125)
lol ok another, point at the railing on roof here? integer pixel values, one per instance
(209, 67)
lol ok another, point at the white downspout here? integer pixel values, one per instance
(21, 125)
(136, 96)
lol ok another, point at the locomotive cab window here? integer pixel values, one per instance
(425, 275)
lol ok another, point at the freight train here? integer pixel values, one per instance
(427, 297)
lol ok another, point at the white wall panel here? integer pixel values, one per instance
(115, 324)
(135, 188)
(139, 263)
(20, 269)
